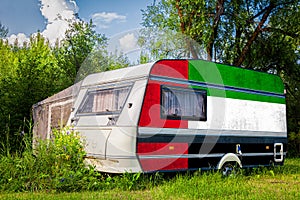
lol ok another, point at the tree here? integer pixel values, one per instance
(8, 65)
(3, 31)
(30, 74)
(83, 51)
(80, 40)
(99, 60)
(225, 29)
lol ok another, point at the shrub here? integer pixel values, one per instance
(57, 165)
(294, 145)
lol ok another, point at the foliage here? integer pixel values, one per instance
(57, 165)
(157, 45)
(294, 144)
(28, 75)
(3, 31)
(225, 29)
(80, 40)
(99, 61)
(83, 51)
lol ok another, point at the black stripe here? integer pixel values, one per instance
(210, 139)
(201, 145)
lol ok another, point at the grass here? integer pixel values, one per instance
(277, 183)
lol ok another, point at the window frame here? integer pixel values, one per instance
(94, 91)
(180, 117)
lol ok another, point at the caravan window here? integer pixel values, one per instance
(183, 103)
(106, 101)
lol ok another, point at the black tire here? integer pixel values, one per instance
(229, 169)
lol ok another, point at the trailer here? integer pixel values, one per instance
(173, 115)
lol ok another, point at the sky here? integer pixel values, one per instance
(111, 17)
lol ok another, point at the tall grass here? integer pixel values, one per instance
(262, 183)
(12, 141)
(58, 165)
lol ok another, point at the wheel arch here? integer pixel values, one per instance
(229, 157)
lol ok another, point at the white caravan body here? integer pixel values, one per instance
(173, 115)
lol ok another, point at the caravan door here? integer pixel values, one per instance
(97, 115)
(95, 140)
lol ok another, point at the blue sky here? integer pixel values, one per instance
(110, 16)
(125, 14)
(21, 16)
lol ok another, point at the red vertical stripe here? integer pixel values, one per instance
(151, 110)
(171, 68)
(163, 149)
(149, 165)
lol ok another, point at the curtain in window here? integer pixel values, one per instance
(120, 97)
(171, 104)
(103, 101)
(108, 100)
(183, 103)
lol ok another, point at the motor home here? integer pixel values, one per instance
(172, 115)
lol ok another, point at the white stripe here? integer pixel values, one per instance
(243, 115)
(259, 154)
(107, 157)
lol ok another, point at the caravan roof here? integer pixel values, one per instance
(128, 73)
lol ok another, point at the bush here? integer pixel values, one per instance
(294, 145)
(57, 165)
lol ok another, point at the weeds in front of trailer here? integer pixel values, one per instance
(56, 165)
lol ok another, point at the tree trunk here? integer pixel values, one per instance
(242, 56)
(183, 25)
(210, 44)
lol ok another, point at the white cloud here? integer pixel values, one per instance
(104, 19)
(57, 13)
(128, 42)
(21, 37)
(54, 10)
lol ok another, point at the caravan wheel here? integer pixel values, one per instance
(230, 168)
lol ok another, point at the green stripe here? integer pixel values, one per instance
(215, 73)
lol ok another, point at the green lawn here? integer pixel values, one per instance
(277, 183)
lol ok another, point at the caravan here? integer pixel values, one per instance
(173, 115)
